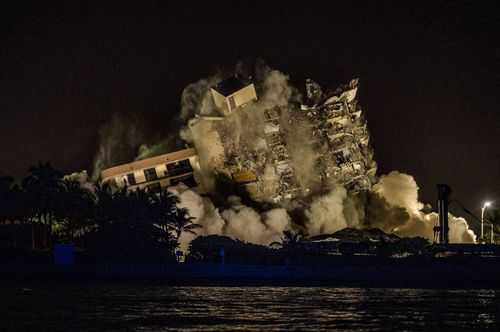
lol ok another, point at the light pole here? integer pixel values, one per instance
(492, 240)
(485, 205)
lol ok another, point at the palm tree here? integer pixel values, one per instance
(42, 187)
(132, 223)
(74, 208)
(182, 222)
(165, 207)
(103, 204)
(171, 219)
(11, 204)
(289, 240)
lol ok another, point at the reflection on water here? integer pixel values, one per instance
(161, 308)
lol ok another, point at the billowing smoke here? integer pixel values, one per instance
(276, 91)
(118, 141)
(302, 154)
(82, 178)
(170, 143)
(122, 138)
(235, 220)
(392, 205)
(326, 213)
(242, 132)
(401, 190)
(196, 99)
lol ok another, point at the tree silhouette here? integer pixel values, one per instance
(106, 203)
(120, 222)
(43, 186)
(74, 210)
(164, 207)
(181, 222)
(11, 205)
(289, 240)
(127, 226)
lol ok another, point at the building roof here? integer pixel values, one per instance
(229, 86)
(357, 235)
(146, 163)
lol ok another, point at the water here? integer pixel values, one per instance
(127, 307)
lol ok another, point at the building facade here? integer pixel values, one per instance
(153, 174)
(232, 93)
(340, 135)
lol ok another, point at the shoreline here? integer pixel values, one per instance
(434, 275)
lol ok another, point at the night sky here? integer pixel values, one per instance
(429, 77)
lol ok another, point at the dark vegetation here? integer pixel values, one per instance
(104, 225)
(215, 249)
(349, 246)
(109, 226)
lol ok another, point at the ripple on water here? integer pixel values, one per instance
(160, 308)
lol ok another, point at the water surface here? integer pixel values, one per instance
(133, 307)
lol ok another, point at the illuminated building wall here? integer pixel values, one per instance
(155, 173)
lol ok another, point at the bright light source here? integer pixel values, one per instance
(486, 204)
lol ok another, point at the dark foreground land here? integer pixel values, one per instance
(455, 272)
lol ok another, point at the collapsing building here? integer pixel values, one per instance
(256, 145)
(341, 137)
(155, 173)
(232, 93)
(277, 152)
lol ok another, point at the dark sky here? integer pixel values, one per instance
(429, 76)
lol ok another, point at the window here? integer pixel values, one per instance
(153, 187)
(150, 174)
(232, 104)
(131, 179)
(178, 168)
(188, 180)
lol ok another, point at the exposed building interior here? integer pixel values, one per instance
(331, 126)
(341, 136)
